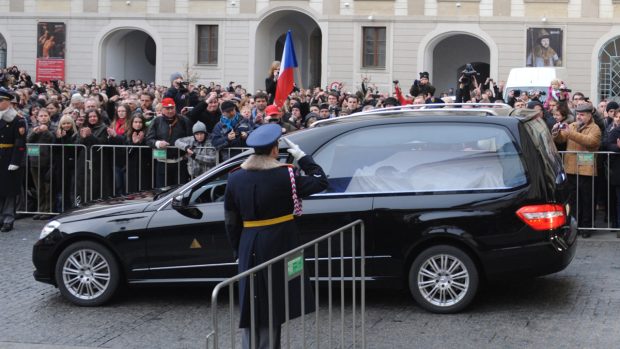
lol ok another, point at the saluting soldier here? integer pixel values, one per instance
(262, 198)
(12, 152)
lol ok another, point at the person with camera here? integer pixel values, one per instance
(181, 92)
(271, 82)
(582, 136)
(467, 84)
(231, 131)
(162, 134)
(422, 87)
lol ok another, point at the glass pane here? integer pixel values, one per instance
(422, 157)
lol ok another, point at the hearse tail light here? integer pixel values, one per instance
(543, 217)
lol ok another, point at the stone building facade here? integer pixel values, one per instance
(335, 40)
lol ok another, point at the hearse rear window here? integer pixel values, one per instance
(422, 157)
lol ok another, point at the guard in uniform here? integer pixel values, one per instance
(262, 198)
(12, 152)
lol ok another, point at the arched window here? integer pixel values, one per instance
(2, 52)
(609, 70)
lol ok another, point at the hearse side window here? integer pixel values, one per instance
(422, 157)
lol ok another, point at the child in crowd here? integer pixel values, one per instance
(201, 154)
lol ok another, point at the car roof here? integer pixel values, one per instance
(435, 111)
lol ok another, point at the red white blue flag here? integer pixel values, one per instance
(286, 79)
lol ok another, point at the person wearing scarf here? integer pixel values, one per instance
(231, 132)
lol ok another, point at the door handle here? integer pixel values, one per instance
(133, 237)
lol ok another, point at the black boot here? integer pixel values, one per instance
(6, 227)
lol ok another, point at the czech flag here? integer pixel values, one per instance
(286, 79)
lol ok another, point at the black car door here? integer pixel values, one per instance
(193, 249)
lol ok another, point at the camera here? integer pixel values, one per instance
(468, 72)
(334, 110)
(564, 89)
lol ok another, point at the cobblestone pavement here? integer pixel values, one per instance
(578, 307)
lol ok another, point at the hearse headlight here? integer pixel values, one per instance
(48, 229)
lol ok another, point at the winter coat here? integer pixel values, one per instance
(45, 151)
(585, 139)
(614, 159)
(260, 190)
(203, 158)
(163, 129)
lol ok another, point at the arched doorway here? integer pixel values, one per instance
(129, 54)
(3, 52)
(307, 39)
(450, 56)
(609, 70)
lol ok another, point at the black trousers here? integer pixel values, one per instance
(581, 199)
(262, 338)
(170, 174)
(7, 208)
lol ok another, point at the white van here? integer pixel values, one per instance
(532, 79)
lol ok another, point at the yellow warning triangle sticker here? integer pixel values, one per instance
(195, 244)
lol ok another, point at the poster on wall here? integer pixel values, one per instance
(544, 47)
(51, 38)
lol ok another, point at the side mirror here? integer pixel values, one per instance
(180, 203)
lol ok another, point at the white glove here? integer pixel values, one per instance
(13, 167)
(161, 144)
(294, 150)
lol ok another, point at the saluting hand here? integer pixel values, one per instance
(294, 150)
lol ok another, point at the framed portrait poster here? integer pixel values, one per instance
(544, 47)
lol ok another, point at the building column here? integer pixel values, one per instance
(401, 7)
(77, 6)
(105, 6)
(605, 10)
(346, 7)
(152, 7)
(517, 8)
(30, 6)
(4, 6)
(182, 6)
(430, 7)
(263, 4)
(316, 5)
(486, 8)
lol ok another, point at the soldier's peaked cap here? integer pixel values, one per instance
(264, 136)
(5, 94)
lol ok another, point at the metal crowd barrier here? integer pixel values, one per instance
(327, 268)
(601, 189)
(51, 178)
(61, 176)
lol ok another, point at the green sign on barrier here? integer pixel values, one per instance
(295, 265)
(33, 150)
(159, 154)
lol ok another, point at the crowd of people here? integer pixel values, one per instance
(193, 126)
